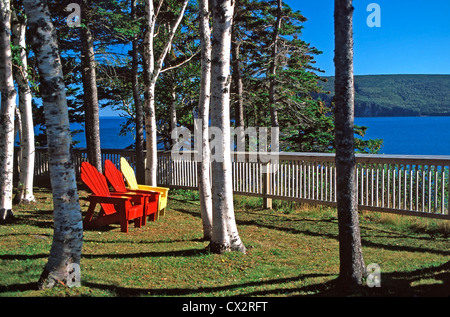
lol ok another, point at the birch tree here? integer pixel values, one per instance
(153, 66)
(204, 181)
(8, 105)
(27, 148)
(64, 259)
(352, 267)
(225, 236)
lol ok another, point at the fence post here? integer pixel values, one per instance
(267, 202)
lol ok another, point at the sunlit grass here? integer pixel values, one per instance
(291, 250)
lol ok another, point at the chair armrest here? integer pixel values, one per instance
(162, 190)
(144, 192)
(134, 197)
(127, 194)
(108, 199)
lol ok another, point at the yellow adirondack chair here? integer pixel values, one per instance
(130, 177)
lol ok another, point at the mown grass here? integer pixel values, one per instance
(292, 250)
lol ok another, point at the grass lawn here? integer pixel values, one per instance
(292, 250)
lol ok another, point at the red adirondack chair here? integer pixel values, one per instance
(115, 208)
(115, 178)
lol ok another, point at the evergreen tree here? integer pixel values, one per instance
(278, 75)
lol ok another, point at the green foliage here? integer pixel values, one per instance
(306, 123)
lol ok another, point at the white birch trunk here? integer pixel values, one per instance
(204, 181)
(225, 236)
(149, 92)
(27, 147)
(152, 71)
(64, 259)
(8, 105)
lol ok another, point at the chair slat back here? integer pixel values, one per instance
(115, 177)
(97, 184)
(128, 173)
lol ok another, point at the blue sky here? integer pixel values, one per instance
(414, 36)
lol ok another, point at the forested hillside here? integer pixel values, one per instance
(398, 95)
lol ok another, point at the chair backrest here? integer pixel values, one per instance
(97, 184)
(115, 177)
(128, 173)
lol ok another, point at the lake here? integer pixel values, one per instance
(410, 135)
(109, 134)
(401, 135)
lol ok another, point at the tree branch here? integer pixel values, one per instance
(159, 64)
(182, 63)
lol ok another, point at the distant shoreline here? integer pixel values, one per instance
(403, 95)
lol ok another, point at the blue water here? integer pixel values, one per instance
(410, 135)
(109, 134)
(401, 135)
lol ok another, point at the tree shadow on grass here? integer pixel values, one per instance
(428, 282)
(126, 291)
(19, 287)
(37, 218)
(366, 242)
(176, 253)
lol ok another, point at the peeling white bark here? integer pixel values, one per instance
(204, 181)
(27, 147)
(225, 236)
(64, 259)
(151, 74)
(8, 105)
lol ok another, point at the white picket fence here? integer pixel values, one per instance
(412, 185)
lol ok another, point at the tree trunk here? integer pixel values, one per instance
(8, 105)
(173, 107)
(352, 267)
(204, 181)
(63, 264)
(90, 96)
(273, 67)
(151, 74)
(140, 158)
(225, 236)
(27, 149)
(238, 88)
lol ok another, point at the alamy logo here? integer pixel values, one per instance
(374, 19)
(263, 144)
(74, 18)
(373, 275)
(73, 275)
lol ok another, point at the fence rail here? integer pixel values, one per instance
(413, 185)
